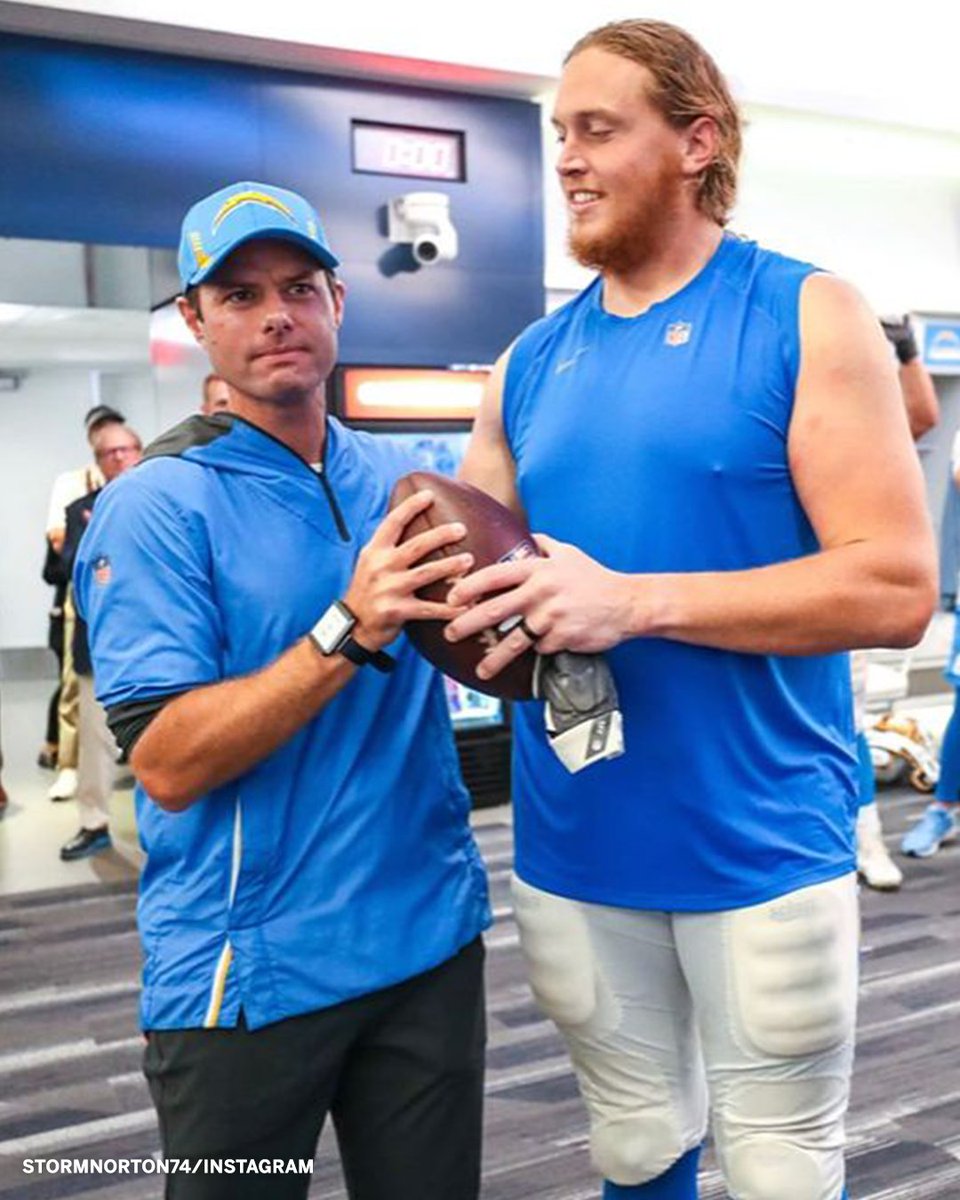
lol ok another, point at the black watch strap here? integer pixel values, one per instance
(360, 656)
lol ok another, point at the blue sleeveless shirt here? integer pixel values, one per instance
(658, 443)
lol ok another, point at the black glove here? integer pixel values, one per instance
(582, 716)
(900, 333)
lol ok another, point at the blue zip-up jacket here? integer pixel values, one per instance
(343, 862)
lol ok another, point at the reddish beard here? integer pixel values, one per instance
(631, 237)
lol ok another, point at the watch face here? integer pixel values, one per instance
(332, 628)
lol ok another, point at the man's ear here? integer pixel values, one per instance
(701, 144)
(192, 318)
(338, 293)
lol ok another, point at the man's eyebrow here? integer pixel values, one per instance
(585, 114)
(228, 280)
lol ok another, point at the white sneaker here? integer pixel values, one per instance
(874, 865)
(64, 786)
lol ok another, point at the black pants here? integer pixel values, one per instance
(400, 1072)
(55, 642)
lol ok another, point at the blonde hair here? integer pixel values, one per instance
(686, 85)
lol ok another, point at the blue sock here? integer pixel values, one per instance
(679, 1183)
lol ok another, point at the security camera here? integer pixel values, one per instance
(423, 220)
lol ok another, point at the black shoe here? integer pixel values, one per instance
(85, 843)
(47, 759)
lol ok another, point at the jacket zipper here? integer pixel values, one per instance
(332, 501)
(225, 960)
(320, 472)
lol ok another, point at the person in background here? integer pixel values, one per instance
(4, 798)
(216, 395)
(312, 899)
(688, 436)
(55, 574)
(874, 865)
(916, 386)
(939, 825)
(67, 487)
(116, 449)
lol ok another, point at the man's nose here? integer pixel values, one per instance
(277, 320)
(569, 160)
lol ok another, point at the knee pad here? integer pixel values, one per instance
(768, 1169)
(634, 1150)
(643, 1117)
(783, 1139)
(794, 967)
(555, 940)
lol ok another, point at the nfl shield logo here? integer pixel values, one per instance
(521, 550)
(101, 570)
(678, 334)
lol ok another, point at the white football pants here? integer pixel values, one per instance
(754, 1007)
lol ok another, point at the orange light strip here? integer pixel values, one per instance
(411, 394)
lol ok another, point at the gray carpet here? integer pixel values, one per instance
(70, 1083)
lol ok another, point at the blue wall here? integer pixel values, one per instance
(111, 146)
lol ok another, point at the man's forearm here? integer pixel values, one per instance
(919, 398)
(214, 734)
(834, 600)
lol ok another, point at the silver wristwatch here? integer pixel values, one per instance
(333, 634)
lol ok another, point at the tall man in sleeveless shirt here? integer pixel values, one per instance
(688, 435)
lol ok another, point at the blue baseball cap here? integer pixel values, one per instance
(215, 226)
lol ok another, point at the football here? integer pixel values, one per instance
(494, 534)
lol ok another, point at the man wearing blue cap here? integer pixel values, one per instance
(312, 898)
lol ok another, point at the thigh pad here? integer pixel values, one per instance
(793, 965)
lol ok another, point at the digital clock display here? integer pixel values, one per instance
(404, 150)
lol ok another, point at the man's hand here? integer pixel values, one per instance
(567, 599)
(387, 575)
(900, 334)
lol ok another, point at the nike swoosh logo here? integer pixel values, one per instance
(566, 363)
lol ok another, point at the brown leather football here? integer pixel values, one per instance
(494, 534)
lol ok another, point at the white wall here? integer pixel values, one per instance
(877, 204)
(41, 434)
(40, 272)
